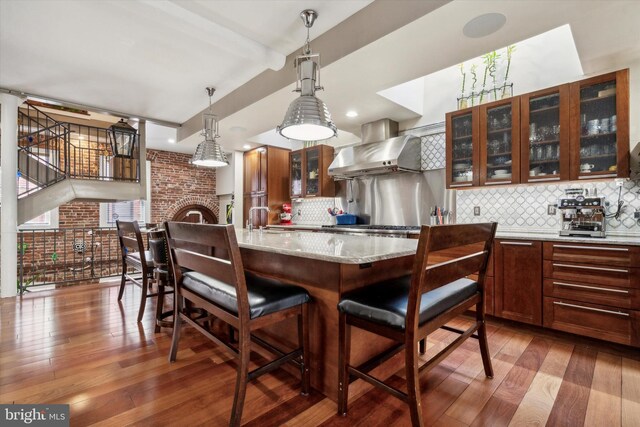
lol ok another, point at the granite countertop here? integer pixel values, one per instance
(616, 239)
(344, 249)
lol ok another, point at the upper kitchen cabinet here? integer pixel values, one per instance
(500, 142)
(463, 153)
(544, 135)
(600, 126)
(266, 182)
(308, 172)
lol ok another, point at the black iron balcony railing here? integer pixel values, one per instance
(50, 151)
(63, 256)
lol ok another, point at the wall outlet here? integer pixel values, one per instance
(476, 210)
(551, 209)
(619, 182)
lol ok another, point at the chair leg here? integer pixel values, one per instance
(344, 352)
(482, 341)
(178, 302)
(242, 380)
(159, 305)
(413, 383)
(123, 280)
(303, 341)
(145, 290)
(423, 346)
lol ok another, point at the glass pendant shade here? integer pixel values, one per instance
(307, 119)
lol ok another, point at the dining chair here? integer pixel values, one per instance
(406, 310)
(208, 272)
(162, 276)
(135, 255)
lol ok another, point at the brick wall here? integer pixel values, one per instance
(176, 184)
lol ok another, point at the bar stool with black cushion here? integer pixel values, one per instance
(162, 276)
(408, 309)
(134, 255)
(208, 272)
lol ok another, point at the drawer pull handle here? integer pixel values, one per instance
(592, 248)
(584, 267)
(595, 288)
(517, 243)
(460, 185)
(599, 310)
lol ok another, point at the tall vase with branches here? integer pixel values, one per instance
(463, 100)
(510, 49)
(474, 80)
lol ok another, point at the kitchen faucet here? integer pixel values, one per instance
(251, 210)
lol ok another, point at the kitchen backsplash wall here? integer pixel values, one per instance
(525, 206)
(313, 211)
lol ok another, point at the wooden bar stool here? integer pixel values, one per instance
(408, 309)
(209, 272)
(162, 276)
(134, 255)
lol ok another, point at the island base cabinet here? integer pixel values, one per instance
(518, 281)
(593, 320)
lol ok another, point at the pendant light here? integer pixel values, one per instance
(307, 118)
(209, 153)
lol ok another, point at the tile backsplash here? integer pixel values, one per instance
(524, 207)
(312, 211)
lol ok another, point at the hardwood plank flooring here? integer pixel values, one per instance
(79, 346)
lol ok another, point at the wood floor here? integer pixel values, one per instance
(79, 346)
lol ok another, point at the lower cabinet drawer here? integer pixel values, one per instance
(614, 296)
(589, 273)
(597, 321)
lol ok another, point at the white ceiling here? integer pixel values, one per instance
(167, 54)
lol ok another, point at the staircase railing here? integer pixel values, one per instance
(41, 141)
(50, 151)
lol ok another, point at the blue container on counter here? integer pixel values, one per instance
(345, 219)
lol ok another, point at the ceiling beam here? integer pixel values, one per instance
(366, 26)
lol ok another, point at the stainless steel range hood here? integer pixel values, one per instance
(386, 154)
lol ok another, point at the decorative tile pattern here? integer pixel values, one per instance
(432, 144)
(525, 206)
(313, 211)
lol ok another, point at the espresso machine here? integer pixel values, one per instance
(582, 214)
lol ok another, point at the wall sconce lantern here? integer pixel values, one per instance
(123, 138)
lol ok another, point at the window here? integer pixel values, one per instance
(130, 210)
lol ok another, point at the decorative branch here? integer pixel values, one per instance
(510, 49)
(464, 77)
(474, 77)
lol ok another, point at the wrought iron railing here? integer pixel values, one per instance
(50, 151)
(62, 256)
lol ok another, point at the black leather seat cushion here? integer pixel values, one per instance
(133, 259)
(386, 302)
(265, 295)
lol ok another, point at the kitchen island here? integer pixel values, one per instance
(327, 265)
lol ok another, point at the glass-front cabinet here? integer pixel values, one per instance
(600, 126)
(295, 162)
(462, 148)
(544, 135)
(312, 170)
(308, 172)
(500, 142)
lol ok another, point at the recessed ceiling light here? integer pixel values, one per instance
(246, 146)
(171, 141)
(483, 25)
(352, 113)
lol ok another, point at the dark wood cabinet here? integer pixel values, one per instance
(500, 142)
(308, 172)
(573, 131)
(462, 148)
(266, 183)
(518, 280)
(600, 126)
(544, 135)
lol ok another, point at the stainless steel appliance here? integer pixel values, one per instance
(582, 215)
